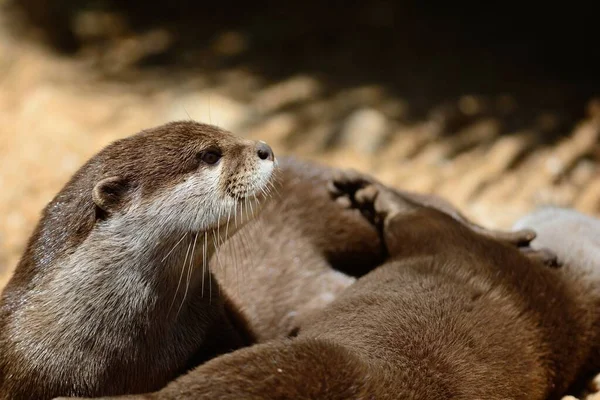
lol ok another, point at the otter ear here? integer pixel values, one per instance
(109, 194)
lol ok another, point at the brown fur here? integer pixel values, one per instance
(94, 306)
(294, 259)
(304, 250)
(451, 315)
(297, 255)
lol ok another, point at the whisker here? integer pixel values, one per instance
(188, 114)
(237, 255)
(275, 184)
(218, 260)
(275, 188)
(235, 213)
(226, 236)
(251, 208)
(246, 250)
(189, 274)
(174, 247)
(219, 223)
(204, 262)
(180, 277)
(216, 245)
(216, 253)
(265, 192)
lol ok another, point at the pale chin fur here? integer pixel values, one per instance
(195, 205)
(248, 207)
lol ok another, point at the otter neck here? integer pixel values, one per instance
(147, 273)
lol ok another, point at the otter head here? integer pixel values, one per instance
(152, 187)
(181, 177)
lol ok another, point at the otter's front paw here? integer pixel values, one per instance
(543, 255)
(344, 185)
(375, 201)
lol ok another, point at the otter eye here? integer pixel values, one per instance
(210, 156)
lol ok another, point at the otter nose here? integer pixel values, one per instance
(264, 151)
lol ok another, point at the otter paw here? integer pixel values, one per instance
(543, 255)
(344, 185)
(375, 201)
(381, 202)
(347, 182)
(520, 238)
(352, 189)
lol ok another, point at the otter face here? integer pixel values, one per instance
(182, 177)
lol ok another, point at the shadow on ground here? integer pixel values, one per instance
(542, 58)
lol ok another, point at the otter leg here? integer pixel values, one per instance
(396, 218)
(376, 201)
(346, 183)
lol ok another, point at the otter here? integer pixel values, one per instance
(111, 295)
(304, 250)
(450, 314)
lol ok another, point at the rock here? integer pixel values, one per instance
(594, 385)
(274, 130)
(365, 130)
(471, 105)
(361, 96)
(209, 107)
(593, 108)
(293, 90)
(230, 43)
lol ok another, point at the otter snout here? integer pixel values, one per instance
(264, 151)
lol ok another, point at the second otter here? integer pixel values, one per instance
(304, 250)
(451, 315)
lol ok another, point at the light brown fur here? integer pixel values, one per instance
(304, 250)
(295, 258)
(452, 314)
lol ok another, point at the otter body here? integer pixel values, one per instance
(297, 255)
(452, 314)
(304, 250)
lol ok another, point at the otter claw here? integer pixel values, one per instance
(366, 195)
(543, 255)
(344, 201)
(348, 181)
(334, 190)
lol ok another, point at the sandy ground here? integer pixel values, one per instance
(56, 112)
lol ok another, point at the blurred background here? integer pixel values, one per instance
(496, 108)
